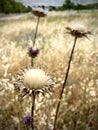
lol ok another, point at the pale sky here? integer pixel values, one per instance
(85, 1)
(42, 2)
(53, 2)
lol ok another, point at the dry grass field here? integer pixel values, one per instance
(79, 106)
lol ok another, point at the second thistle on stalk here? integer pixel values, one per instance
(78, 31)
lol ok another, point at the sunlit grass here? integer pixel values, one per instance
(80, 101)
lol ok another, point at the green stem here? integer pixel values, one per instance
(34, 41)
(32, 109)
(65, 81)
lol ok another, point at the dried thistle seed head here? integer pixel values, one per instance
(35, 79)
(33, 52)
(39, 12)
(78, 30)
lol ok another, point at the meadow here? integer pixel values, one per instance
(79, 105)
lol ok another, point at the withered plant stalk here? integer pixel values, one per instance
(32, 109)
(34, 40)
(65, 81)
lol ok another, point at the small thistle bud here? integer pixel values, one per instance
(27, 119)
(33, 52)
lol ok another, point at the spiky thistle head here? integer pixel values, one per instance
(78, 30)
(33, 80)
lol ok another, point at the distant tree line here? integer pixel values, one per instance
(11, 6)
(68, 4)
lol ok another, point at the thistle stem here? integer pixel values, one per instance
(65, 81)
(34, 40)
(32, 109)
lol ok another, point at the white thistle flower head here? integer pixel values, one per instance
(35, 79)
